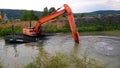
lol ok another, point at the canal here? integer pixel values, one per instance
(105, 49)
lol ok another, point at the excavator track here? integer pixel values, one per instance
(21, 38)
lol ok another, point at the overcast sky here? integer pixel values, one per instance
(78, 6)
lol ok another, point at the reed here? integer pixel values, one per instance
(60, 60)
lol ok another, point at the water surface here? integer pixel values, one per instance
(105, 49)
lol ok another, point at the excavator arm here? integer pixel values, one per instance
(37, 31)
(45, 19)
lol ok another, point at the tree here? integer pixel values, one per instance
(28, 15)
(25, 15)
(51, 9)
(82, 15)
(45, 11)
(32, 15)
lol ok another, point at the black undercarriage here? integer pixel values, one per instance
(21, 38)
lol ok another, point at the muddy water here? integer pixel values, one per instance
(106, 49)
(17, 55)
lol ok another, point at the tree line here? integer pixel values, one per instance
(27, 15)
(30, 15)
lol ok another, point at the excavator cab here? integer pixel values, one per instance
(29, 31)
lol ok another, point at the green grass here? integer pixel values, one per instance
(5, 29)
(82, 29)
(93, 28)
(51, 29)
(8, 30)
(85, 27)
(60, 60)
(97, 27)
(1, 65)
(108, 33)
(56, 30)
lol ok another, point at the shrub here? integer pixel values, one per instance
(8, 30)
(60, 60)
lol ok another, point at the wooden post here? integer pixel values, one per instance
(30, 22)
(13, 33)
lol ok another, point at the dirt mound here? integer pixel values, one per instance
(56, 23)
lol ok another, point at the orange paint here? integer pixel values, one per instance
(55, 14)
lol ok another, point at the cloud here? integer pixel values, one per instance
(76, 5)
(88, 5)
(113, 4)
(94, 5)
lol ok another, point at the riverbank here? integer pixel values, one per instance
(0, 65)
(61, 47)
(60, 60)
(83, 29)
(103, 33)
(6, 29)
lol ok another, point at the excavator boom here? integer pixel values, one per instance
(37, 31)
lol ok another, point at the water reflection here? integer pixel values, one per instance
(15, 50)
(17, 55)
(21, 54)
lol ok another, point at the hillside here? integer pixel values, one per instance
(101, 12)
(15, 14)
(106, 12)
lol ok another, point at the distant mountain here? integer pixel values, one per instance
(101, 12)
(106, 12)
(15, 14)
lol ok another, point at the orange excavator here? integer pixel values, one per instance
(36, 30)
